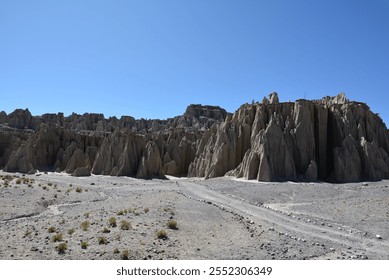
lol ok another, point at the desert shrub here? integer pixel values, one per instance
(162, 234)
(120, 213)
(172, 224)
(106, 230)
(146, 210)
(116, 251)
(125, 225)
(18, 181)
(50, 184)
(102, 240)
(51, 229)
(58, 237)
(28, 233)
(61, 248)
(84, 245)
(124, 255)
(79, 189)
(85, 225)
(112, 222)
(86, 215)
(71, 231)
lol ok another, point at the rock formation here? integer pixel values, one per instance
(89, 143)
(331, 139)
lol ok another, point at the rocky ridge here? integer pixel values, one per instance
(331, 139)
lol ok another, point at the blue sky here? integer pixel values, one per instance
(151, 59)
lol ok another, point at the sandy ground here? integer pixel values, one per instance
(220, 218)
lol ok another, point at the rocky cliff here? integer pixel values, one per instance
(331, 139)
(89, 143)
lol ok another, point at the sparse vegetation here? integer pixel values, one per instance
(146, 210)
(172, 224)
(85, 225)
(161, 234)
(50, 184)
(19, 181)
(71, 231)
(61, 248)
(125, 225)
(51, 229)
(58, 237)
(116, 251)
(112, 222)
(28, 233)
(124, 255)
(84, 245)
(102, 240)
(86, 215)
(106, 230)
(79, 190)
(120, 213)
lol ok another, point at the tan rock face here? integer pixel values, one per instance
(331, 139)
(89, 143)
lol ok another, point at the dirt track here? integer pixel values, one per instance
(293, 226)
(217, 219)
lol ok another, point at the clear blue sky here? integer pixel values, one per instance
(151, 59)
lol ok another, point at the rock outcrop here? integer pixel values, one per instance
(89, 143)
(331, 139)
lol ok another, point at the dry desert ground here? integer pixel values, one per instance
(57, 216)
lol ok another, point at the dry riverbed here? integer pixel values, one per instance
(57, 216)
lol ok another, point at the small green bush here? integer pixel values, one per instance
(85, 225)
(112, 222)
(84, 245)
(58, 237)
(61, 248)
(124, 255)
(102, 240)
(162, 234)
(28, 233)
(51, 229)
(125, 225)
(172, 224)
